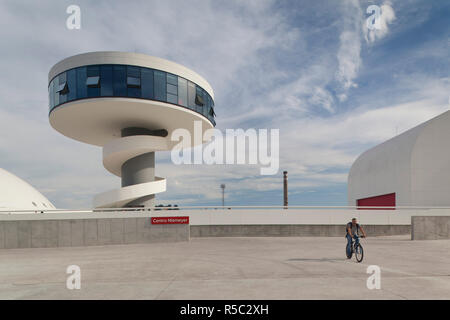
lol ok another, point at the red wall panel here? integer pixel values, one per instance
(385, 200)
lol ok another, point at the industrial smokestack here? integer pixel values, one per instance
(223, 194)
(285, 189)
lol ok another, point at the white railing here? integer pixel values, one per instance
(218, 215)
(137, 209)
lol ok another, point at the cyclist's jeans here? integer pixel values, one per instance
(349, 243)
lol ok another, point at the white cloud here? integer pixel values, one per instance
(349, 52)
(349, 59)
(322, 98)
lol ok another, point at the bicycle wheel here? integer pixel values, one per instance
(359, 253)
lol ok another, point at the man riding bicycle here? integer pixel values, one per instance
(353, 228)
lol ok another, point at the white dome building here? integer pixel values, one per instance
(16, 194)
(411, 169)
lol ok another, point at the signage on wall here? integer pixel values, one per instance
(170, 220)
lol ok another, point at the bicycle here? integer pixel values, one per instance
(358, 250)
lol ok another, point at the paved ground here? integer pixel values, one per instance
(231, 268)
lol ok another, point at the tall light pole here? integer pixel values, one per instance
(223, 194)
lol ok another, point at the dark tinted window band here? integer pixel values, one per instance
(108, 80)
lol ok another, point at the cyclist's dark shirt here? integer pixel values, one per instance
(354, 229)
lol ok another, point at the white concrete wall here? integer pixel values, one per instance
(415, 165)
(430, 164)
(255, 216)
(40, 233)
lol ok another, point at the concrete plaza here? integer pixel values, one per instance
(231, 268)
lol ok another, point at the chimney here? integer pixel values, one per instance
(285, 189)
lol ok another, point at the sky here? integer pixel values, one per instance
(312, 69)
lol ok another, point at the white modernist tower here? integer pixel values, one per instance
(129, 104)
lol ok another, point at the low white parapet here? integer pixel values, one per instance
(242, 216)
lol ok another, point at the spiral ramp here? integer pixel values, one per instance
(118, 152)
